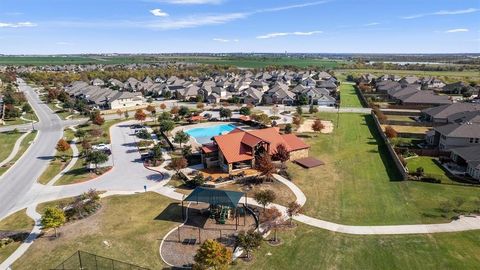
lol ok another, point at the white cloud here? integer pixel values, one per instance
(191, 2)
(293, 6)
(63, 43)
(225, 40)
(158, 12)
(17, 25)
(371, 24)
(201, 20)
(196, 21)
(457, 30)
(282, 34)
(442, 12)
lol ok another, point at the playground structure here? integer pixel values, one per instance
(209, 214)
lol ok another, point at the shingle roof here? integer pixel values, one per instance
(460, 130)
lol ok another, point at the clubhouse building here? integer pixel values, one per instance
(239, 149)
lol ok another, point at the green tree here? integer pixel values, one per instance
(225, 113)
(97, 157)
(212, 255)
(166, 126)
(181, 137)
(288, 128)
(164, 116)
(26, 108)
(264, 197)
(245, 111)
(299, 110)
(302, 100)
(249, 241)
(53, 218)
(183, 111)
(313, 109)
(156, 154)
(80, 133)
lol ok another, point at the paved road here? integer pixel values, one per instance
(127, 175)
(16, 182)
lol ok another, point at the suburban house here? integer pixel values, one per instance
(441, 114)
(455, 135)
(240, 148)
(468, 157)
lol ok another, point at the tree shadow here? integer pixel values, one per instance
(173, 212)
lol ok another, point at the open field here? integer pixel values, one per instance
(359, 184)
(261, 62)
(348, 96)
(133, 236)
(448, 76)
(18, 221)
(23, 147)
(311, 248)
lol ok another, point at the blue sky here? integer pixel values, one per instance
(162, 26)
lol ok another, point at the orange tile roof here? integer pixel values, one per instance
(196, 118)
(209, 148)
(237, 145)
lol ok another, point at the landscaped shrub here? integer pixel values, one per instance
(390, 132)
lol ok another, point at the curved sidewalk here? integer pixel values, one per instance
(15, 149)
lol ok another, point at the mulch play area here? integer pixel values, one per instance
(309, 162)
(180, 247)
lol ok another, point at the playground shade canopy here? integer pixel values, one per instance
(215, 196)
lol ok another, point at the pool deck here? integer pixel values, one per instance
(194, 142)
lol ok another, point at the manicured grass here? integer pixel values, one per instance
(18, 221)
(55, 166)
(400, 118)
(360, 185)
(310, 248)
(23, 147)
(132, 225)
(348, 96)
(429, 166)
(409, 129)
(78, 173)
(7, 140)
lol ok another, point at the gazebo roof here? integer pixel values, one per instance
(215, 196)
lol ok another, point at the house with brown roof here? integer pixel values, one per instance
(239, 149)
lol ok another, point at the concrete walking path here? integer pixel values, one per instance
(73, 161)
(15, 149)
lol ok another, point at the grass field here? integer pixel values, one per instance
(348, 96)
(448, 76)
(359, 183)
(133, 235)
(18, 221)
(7, 140)
(405, 118)
(23, 147)
(311, 248)
(261, 62)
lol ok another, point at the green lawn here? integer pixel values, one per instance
(7, 140)
(448, 76)
(78, 173)
(23, 147)
(430, 168)
(18, 221)
(348, 96)
(360, 185)
(310, 248)
(133, 235)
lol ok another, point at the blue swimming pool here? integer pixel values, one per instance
(204, 134)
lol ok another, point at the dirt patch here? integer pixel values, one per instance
(306, 126)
